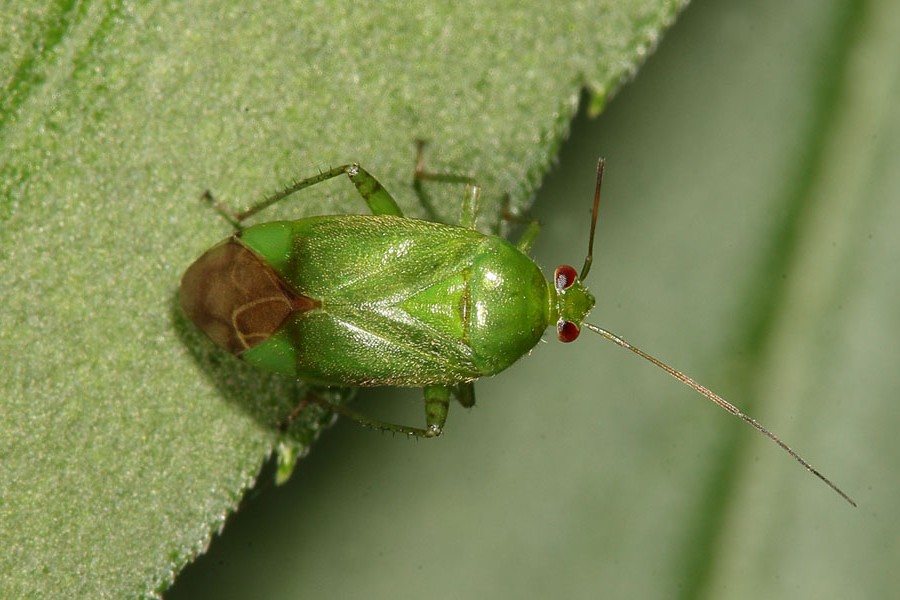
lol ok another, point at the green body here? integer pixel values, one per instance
(398, 301)
(356, 300)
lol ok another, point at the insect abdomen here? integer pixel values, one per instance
(359, 300)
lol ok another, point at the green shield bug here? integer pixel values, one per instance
(386, 300)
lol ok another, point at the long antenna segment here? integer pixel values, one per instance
(678, 374)
(721, 402)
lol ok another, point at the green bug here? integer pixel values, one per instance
(385, 300)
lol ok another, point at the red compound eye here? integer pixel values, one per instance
(567, 331)
(564, 277)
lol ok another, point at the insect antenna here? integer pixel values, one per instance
(601, 163)
(721, 402)
(589, 258)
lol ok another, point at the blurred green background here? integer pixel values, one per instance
(748, 236)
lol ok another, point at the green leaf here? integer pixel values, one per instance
(748, 236)
(127, 439)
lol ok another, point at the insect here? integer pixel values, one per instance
(386, 300)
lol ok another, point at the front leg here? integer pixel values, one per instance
(373, 193)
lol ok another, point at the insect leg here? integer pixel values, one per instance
(437, 405)
(324, 396)
(509, 217)
(362, 419)
(437, 400)
(235, 218)
(465, 395)
(378, 199)
(526, 240)
(469, 208)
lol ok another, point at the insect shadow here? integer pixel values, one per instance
(265, 397)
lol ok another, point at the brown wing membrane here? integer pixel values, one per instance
(236, 298)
